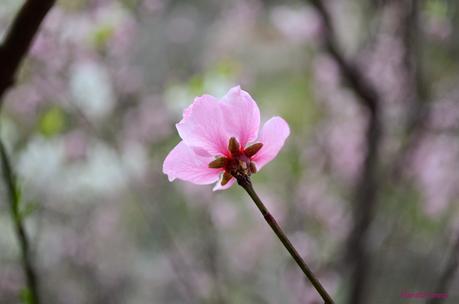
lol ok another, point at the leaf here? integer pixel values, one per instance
(25, 296)
(28, 209)
(52, 122)
(102, 35)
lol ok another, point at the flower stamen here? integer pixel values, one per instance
(238, 163)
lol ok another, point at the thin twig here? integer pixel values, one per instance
(244, 182)
(367, 186)
(13, 50)
(21, 233)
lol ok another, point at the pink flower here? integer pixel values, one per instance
(219, 138)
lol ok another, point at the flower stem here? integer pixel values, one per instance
(244, 182)
(21, 233)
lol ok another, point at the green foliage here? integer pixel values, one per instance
(196, 84)
(27, 209)
(52, 122)
(18, 195)
(291, 98)
(405, 204)
(102, 35)
(437, 8)
(25, 296)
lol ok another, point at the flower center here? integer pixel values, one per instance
(238, 163)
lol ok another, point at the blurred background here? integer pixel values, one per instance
(365, 193)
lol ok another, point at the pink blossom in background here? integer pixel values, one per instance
(76, 146)
(445, 113)
(223, 130)
(434, 166)
(298, 24)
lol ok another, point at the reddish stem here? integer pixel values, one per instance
(244, 182)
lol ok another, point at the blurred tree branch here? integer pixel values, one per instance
(12, 52)
(366, 190)
(19, 38)
(417, 97)
(418, 93)
(420, 106)
(365, 90)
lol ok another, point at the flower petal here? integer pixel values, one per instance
(273, 135)
(241, 115)
(202, 127)
(184, 164)
(218, 186)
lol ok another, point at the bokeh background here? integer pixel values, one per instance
(92, 117)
